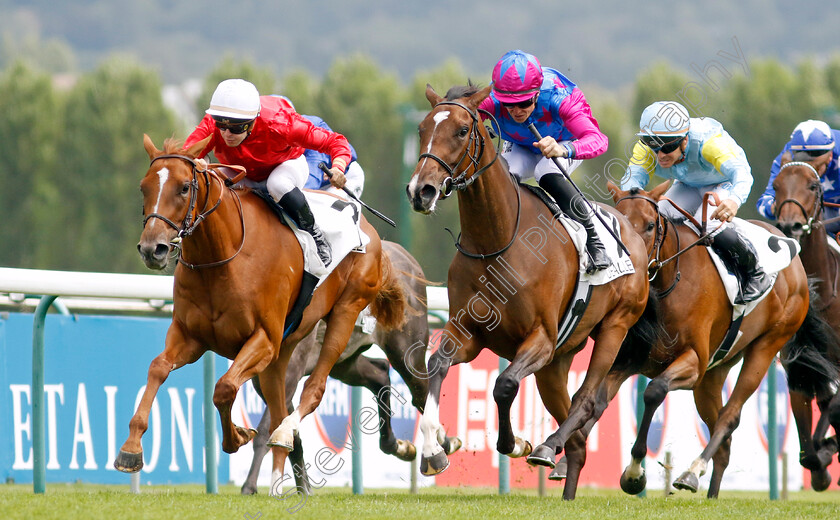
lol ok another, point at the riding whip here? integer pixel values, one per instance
(350, 194)
(538, 137)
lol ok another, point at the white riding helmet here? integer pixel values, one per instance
(235, 99)
(664, 119)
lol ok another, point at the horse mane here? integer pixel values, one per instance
(172, 145)
(461, 91)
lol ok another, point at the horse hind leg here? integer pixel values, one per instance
(249, 487)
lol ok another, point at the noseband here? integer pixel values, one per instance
(187, 226)
(818, 200)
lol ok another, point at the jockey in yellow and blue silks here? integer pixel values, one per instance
(700, 156)
(524, 92)
(818, 144)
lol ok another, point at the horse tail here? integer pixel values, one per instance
(389, 306)
(647, 332)
(811, 358)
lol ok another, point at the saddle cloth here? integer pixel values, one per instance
(339, 220)
(620, 262)
(774, 254)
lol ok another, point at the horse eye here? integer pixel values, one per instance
(814, 186)
(185, 189)
(650, 226)
(463, 131)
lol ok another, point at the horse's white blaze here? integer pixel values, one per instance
(429, 425)
(163, 175)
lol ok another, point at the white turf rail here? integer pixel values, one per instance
(124, 286)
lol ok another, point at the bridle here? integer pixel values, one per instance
(188, 226)
(470, 159)
(813, 221)
(812, 217)
(460, 181)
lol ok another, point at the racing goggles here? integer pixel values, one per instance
(659, 144)
(522, 104)
(234, 126)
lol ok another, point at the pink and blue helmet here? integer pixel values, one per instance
(811, 135)
(517, 77)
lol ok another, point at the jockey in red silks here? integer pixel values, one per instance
(526, 93)
(268, 138)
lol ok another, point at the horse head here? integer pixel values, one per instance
(799, 195)
(170, 189)
(451, 143)
(642, 210)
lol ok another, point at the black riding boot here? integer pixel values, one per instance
(739, 256)
(294, 203)
(573, 205)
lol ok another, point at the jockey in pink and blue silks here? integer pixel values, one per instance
(523, 93)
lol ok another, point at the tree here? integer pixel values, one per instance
(29, 127)
(103, 161)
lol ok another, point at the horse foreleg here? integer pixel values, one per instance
(338, 331)
(533, 354)
(252, 359)
(178, 352)
(451, 351)
(606, 344)
(249, 487)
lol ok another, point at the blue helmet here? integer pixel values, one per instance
(811, 135)
(664, 119)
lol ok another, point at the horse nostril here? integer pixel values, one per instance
(428, 193)
(797, 226)
(161, 250)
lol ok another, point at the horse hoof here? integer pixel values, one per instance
(433, 465)
(129, 462)
(248, 489)
(820, 480)
(542, 456)
(454, 444)
(559, 472)
(406, 451)
(687, 480)
(634, 485)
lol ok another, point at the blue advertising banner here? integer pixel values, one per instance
(96, 368)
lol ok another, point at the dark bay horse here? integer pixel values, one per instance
(799, 209)
(405, 348)
(510, 285)
(239, 273)
(694, 308)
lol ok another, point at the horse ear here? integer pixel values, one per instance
(150, 147)
(197, 148)
(615, 190)
(658, 191)
(432, 96)
(480, 96)
(785, 158)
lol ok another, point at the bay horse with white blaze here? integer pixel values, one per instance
(799, 214)
(508, 293)
(696, 312)
(240, 272)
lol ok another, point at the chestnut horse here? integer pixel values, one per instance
(239, 274)
(510, 285)
(798, 211)
(694, 308)
(405, 349)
